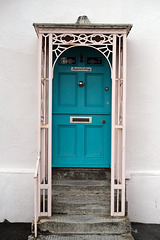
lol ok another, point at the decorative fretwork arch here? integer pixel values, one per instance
(101, 42)
(54, 40)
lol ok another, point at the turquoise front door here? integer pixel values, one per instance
(81, 110)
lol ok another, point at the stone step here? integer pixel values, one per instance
(77, 186)
(79, 189)
(80, 174)
(81, 195)
(81, 183)
(67, 194)
(84, 224)
(85, 237)
(81, 208)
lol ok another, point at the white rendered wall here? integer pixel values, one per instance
(18, 98)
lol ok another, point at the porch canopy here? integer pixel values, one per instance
(111, 28)
(53, 40)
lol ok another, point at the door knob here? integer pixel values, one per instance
(106, 89)
(80, 83)
(103, 121)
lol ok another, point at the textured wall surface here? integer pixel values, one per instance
(18, 98)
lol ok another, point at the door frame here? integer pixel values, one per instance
(108, 40)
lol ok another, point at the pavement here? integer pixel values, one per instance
(141, 231)
(14, 231)
(21, 231)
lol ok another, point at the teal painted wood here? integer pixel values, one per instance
(90, 99)
(81, 144)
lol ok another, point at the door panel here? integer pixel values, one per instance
(94, 87)
(93, 141)
(66, 141)
(67, 90)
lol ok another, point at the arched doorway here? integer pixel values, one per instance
(81, 110)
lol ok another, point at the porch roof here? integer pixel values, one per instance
(40, 26)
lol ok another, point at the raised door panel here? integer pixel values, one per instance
(67, 90)
(94, 96)
(66, 141)
(93, 141)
